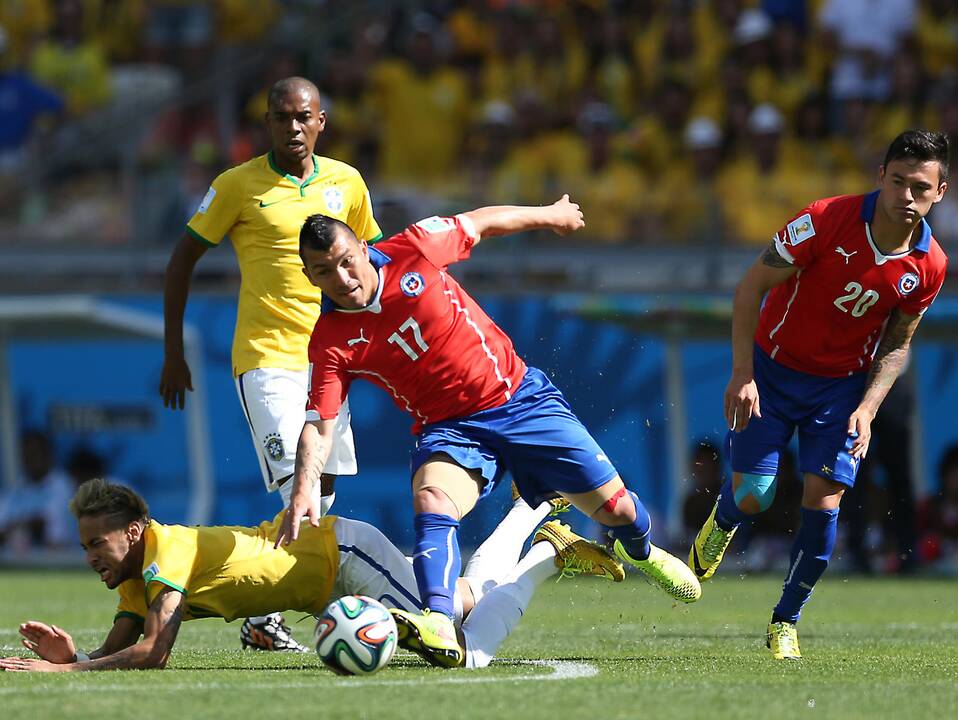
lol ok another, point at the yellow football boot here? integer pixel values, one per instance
(431, 635)
(782, 639)
(709, 547)
(666, 571)
(577, 556)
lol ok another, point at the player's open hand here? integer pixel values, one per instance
(175, 380)
(860, 428)
(19, 664)
(741, 401)
(48, 641)
(298, 510)
(567, 217)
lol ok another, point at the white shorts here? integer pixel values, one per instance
(371, 565)
(274, 402)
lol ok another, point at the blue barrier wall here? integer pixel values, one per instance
(612, 378)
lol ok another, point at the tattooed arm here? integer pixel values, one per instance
(159, 633)
(890, 359)
(741, 394)
(315, 442)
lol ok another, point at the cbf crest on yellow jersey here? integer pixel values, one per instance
(262, 209)
(233, 572)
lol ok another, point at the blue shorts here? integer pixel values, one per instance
(818, 406)
(535, 436)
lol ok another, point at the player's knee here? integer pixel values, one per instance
(431, 499)
(755, 493)
(617, 510)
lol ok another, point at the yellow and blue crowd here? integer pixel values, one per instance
(668, 120)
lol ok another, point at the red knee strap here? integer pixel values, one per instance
(609, 505)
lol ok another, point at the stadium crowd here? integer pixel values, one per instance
(658, 116)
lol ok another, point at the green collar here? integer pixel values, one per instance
(301, 185)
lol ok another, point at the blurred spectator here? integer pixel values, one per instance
(907, 102)
(117, 27)
(424, 111)
(655, 137)
(865, 35)
(71, 64)
(34, 513)
(753, 33)
(944, 215)
(23, 22)
(687, 201)
(937, 32)
(761, 190)
(707, 475)
(489, 142)
(938, 516)
(22, 104)
(794, 75)
(180, 33)
(612, 192)
(243, 22)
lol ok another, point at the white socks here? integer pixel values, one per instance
(499, 554)
(496, 615)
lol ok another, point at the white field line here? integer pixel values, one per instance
(561, 670)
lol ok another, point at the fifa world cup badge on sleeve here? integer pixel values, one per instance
(436, 224)
(800, 230)
(207, 199)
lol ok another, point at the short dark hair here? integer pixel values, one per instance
(282, 88)
(319, 232)
(121, 504)
(923, 146)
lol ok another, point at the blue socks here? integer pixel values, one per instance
(810, 554)
(635, 537)
(729, 515)
(436, 561)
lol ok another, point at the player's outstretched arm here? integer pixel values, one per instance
(890, 358)
(312, 452)
(741, 394)
(175, 378)
(56, 645)
(159, 634)
(562, 217)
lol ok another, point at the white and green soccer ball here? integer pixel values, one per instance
(355, 635)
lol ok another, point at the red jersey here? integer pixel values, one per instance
(828, 318)
(422, 338)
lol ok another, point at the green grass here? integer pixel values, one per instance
(873, 648)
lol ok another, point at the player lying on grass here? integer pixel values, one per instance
(394, 316)
(847, 281)
(166, 574)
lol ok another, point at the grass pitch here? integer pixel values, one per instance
(873, 648)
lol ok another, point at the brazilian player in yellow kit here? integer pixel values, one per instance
(261, 206)
(165, 574)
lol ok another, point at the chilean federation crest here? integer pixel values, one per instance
(412, 284)
(907, 283)
(274, 446)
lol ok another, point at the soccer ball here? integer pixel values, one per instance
(355, 635)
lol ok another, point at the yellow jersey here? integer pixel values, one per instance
(262, 209)
(233, 572)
